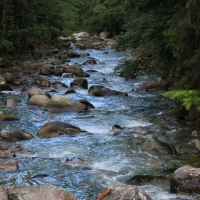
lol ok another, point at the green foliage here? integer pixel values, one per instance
(188, 98)
(182, 36)
(24, 22)
(108, 15)
(6, 46)
(129, 69)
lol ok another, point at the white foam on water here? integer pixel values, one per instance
(159, 193)
(63, 154)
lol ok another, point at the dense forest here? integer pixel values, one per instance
(168, 31)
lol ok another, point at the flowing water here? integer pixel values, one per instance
(104, 159)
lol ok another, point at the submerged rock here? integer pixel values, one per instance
(15, 135)
(155, 145)
(57, 128)
(12, 102)
(118, 130)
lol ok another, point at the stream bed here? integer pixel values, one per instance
(102, 159)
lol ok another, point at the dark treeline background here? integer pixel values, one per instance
(169, 30)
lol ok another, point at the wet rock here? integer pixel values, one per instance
(37, 91)
(9, 78)
(145, 179)
(4, 85)
(76, 70)
(3, 154)
(59, 85)
(123, 192)
(39, 192)
(70, 91)
(12, 102)
(172, 115)
(15, 135)
(118, 130)
(69, 75)
(7, 117)
(109, 42)
(61, 99)
(98, 90)
(83, 55)
(46, 69)
(186, 180)
(85, 45)
(194, 114)
(39, 100)
(80, 82)
(2, 117)
(42, 82)
(81, 35)
(57, 128)
(85, 102)
(65, 44)
(155, 145)
(156, 85)
(74, 161)
(57, 62)
(9, 165)
(193, 146)
(72, 54)
(57, 72)
(18, 151)
(104, 35)
(3, 194)
(90, 62)
(62, 104)
(60, 107)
